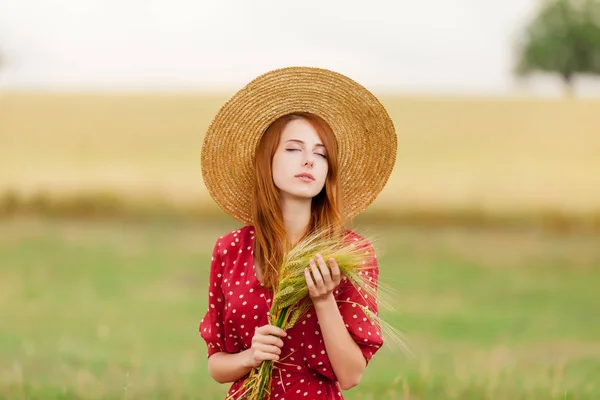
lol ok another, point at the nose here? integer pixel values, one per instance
(309, 159)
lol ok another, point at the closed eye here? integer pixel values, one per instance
(319, 154)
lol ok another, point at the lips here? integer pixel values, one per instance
(305, 176)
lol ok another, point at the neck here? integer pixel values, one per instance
(296, 217)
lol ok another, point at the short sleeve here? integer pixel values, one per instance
(351, 300)
(211, 326)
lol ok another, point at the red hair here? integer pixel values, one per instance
(271, 242)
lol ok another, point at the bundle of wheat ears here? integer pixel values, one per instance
(291, 300)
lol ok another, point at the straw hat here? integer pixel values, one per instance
(363, 129)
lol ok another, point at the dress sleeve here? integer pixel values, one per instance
(366, 333)
(211, 326)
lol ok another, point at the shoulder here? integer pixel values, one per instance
(363, 244)
(352, 235)
(233, 238)
(361, 241)
(239, 233)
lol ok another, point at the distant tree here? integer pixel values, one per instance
(563, 38)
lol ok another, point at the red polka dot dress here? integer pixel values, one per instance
(237, 304)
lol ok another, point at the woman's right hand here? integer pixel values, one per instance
(266, 345)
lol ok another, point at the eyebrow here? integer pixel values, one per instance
(301, 142)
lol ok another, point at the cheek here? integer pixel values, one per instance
(323, 170)
(278, 161)
(278, 167)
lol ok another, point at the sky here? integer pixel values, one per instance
(413, 46)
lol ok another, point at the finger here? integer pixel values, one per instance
(309, 281)
(324, 269)
(269, 340)
(266, 348)
(336, 274)
(262, 356)
(271, 330)
(316, 274)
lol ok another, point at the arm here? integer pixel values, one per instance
(229, 367)
(224, 366)
(346, 358)
(344, 354)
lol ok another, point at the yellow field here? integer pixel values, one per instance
(454, 153)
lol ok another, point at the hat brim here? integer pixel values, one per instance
(367, 142)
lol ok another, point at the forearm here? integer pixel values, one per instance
(346, 358)
(228, 367)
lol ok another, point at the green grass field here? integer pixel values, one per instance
(110, 309)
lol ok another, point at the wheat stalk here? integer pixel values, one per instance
(291, 300)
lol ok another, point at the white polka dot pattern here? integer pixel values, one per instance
(233, 314)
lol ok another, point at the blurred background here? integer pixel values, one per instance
(489, 226)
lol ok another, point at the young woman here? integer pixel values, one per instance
(295, 174)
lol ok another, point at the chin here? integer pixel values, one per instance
(305, 196)
(300, 194)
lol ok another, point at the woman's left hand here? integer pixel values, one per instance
(324, 281)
